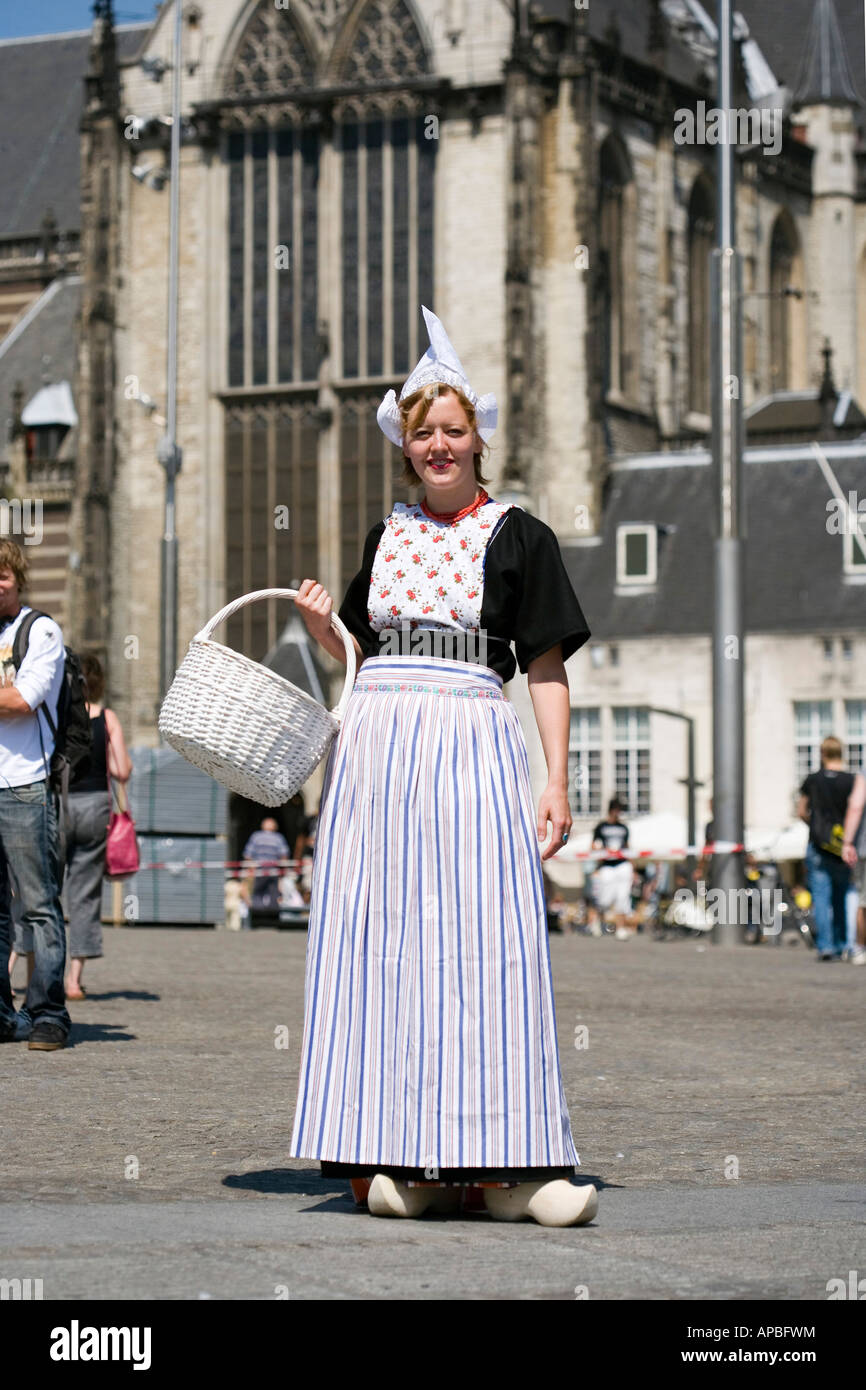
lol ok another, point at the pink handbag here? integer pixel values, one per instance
(121, 850)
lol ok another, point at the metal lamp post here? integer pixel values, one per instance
(168, 452)
(727, 441)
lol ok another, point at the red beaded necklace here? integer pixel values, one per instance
(455, 516)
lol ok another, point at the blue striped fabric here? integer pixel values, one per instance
(429, 1031)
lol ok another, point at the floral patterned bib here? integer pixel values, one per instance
(431, 573)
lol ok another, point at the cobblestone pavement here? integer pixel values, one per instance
(148, 1159)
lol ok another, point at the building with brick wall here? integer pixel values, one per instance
(540, 175)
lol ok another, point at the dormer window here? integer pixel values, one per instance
(44, 441)
(636, 556)
(47, 420)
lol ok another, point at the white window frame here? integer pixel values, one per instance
(637, 580)
(636, 738)
(584, 741)
(819, 729)
(855, 735)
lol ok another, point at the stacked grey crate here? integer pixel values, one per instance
(180, 817)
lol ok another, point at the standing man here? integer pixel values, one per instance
(831, 803)
(266, 847)
(29, 842)
(611, 882)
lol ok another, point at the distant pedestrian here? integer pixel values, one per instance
(831, 804)
(268, 848)
(611, 882)
(29, 836)
(87, 826)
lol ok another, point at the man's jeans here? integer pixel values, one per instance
(30, 854)
(829, 878)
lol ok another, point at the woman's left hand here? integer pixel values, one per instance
(553, 807)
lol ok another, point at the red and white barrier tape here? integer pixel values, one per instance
(252, 865)
(717, 847)
(702, 852)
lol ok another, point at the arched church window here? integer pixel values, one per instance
(271, 57)
(786, 274)
(617, 261)
(386, 46)
(701, 236)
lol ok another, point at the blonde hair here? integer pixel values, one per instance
(831, 749)
(12, 558)
(418, 405)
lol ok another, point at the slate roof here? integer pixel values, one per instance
(793, 567)
(42, 350)
(783, 29)
(41, 98)
(793, 413)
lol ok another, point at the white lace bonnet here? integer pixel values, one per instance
(439, 363)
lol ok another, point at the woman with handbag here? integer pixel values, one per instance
(430, 1071)
(87, 827)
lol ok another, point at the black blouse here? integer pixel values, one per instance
(528, 598)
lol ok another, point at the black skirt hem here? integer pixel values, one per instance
(451, 1176)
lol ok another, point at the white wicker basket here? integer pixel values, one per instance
(250, 729)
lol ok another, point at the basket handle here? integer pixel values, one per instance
(213, 623)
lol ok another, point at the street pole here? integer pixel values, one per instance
(727, 439)
(693, 829)
(168, 453)
(690, 781)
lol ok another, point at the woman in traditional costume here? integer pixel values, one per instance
(429, 1057)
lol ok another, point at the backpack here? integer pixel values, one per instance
(73, 736)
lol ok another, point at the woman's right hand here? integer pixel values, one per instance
(314, 604)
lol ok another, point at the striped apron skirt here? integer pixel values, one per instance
(429, 1044)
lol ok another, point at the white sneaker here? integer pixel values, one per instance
(623, 934)
(858, 956)
(554, 1203)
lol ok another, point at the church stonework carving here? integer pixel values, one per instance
(272, 56)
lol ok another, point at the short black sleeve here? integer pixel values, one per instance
(805, 788)
(353, 609)
(548, 610)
